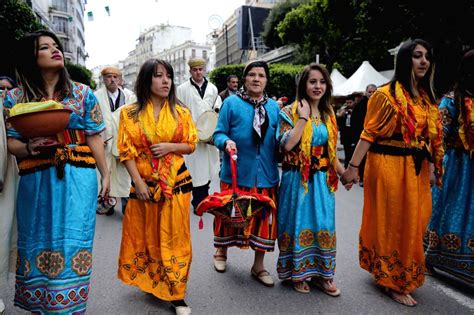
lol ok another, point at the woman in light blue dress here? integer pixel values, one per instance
(306, 215)
(57, 194)
(450, 236)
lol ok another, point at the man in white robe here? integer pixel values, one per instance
(200, 95)
(111, 98)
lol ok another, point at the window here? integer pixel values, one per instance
(60, 24)
(60, 5)
(193, 53)
(204, 54)
(184, 54)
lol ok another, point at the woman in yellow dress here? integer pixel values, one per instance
(403, 135)
(154, 134)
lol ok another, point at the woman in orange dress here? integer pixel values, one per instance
(154, 134)
(403, 135)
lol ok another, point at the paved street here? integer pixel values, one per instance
(235, 292)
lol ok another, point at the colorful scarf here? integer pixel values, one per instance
(164, 169)
(305, 149)
(260, 121)
(466, 125)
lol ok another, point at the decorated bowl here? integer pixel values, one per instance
(41, 123)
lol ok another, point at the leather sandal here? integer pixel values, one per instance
(324, 285)
(220, 262)
(263, 277)
(301, 287)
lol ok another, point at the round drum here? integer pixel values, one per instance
(206, 124)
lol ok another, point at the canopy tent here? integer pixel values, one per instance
(337, 78)
(365, 75)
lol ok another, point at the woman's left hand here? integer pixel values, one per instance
(161, 149)
(105, 185)
(432, 175)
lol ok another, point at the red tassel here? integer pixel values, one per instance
(201, 224)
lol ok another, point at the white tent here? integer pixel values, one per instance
(365, 75)
(337, 78)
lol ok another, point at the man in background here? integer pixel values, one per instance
(200, 95)
(232, 86)
(111, 98)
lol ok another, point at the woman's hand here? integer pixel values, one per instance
(432, 175)
(303, 109)
(33, 144)
(230, 145)
(161, 149)
(142, 190)
(105, 185)
(350, 176)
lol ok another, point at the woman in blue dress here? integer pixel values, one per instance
(57, 194)
(450, 236)
(306, 215)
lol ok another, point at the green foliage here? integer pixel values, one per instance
(16, 19)
(80, 74)
(282, 78)
(277, 14)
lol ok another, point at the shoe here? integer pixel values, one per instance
(110, 212)
(263, 277)
(220, 262)
(361, 184)
(325, 285)
(180, 307)
(2, 307)
(301, 287)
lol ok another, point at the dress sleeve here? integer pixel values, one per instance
(190, 131)
(126, 148)
(381, 118)
(94, 121)
(448, 113)
(285, 125)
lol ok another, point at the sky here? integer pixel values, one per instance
(110, 38)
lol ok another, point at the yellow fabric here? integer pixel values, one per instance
(155, 252)
(397, 202)
(23, 108)
(466, 125)
(305, 148)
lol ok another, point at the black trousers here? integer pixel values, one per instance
(199, 193)
(348, 152)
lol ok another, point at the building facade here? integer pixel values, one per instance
(66, 19)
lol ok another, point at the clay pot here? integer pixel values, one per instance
(42, 123)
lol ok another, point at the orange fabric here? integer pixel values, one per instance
(397, 203)
(155, 252)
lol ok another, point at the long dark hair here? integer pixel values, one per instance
(29, 74)
(464, 85)
(404, 69)
(324, 105)
(143, 84)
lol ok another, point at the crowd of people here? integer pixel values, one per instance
(143, 149)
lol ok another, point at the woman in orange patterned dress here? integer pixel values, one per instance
(154, 133)
(403, 135)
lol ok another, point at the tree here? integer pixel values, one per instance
(16, 19)
(80, 74)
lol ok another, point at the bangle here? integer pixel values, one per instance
(304, 118)
(352, 165)
(28, 148)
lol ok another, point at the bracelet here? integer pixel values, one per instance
(352, 165)
(28, 148)
(304, 118)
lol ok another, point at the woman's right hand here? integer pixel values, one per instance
(230, 145)
(350, 175)
(33, 144)
(141, 189)
(303, 109)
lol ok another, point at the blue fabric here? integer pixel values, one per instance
(306, 223)
(56, 222)
(450, 235)
(256, 165)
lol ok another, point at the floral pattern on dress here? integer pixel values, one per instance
(82, 262)
(451, 242)
(306, 238)
(50, 263)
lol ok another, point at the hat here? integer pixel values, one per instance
(195, 62)
(111, 70)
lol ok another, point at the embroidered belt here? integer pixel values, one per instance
(395, 147)
(72, 136)
(80, 156)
